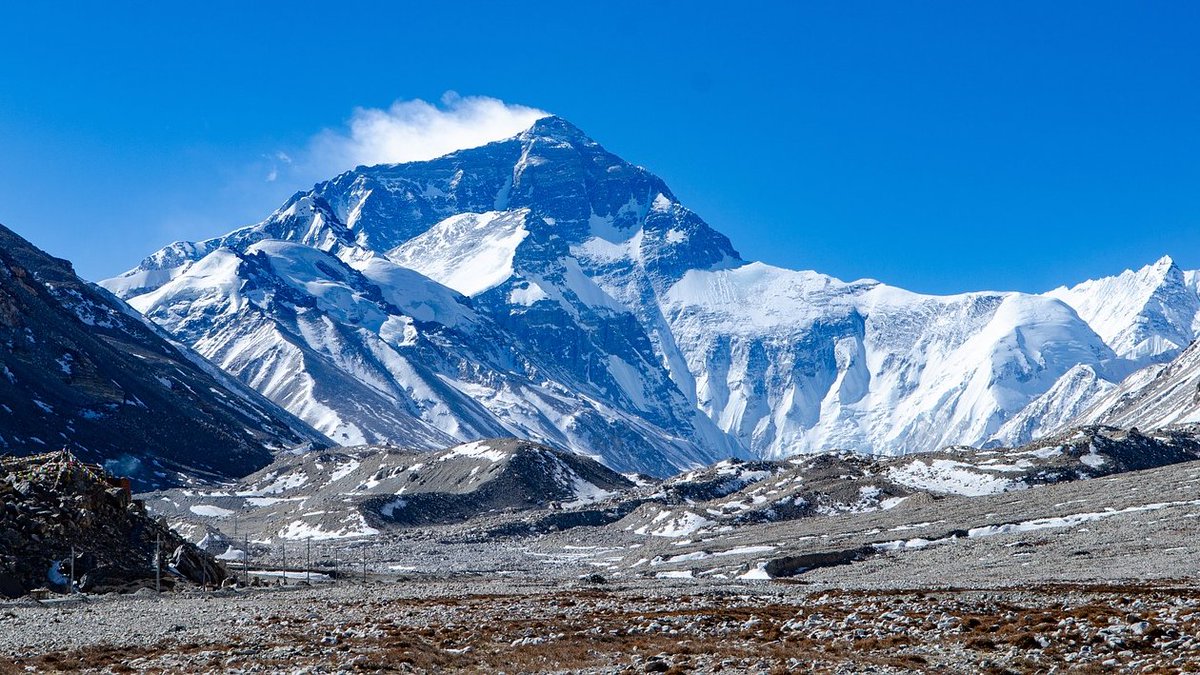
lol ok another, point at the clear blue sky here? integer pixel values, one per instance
(940, 146)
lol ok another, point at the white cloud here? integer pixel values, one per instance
(274, 160)
(416, 130)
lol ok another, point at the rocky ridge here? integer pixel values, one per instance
(79, 369)
(55, 507)
(486, 490)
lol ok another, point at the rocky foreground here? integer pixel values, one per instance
(1095, 575)
(69, 526)
(492, 626)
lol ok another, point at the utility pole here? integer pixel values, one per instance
(157, 562)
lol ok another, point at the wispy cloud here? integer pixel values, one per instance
(416, 130)
(274, 161)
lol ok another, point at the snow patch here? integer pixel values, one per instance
(475, 450)
(667, 524)
(945, 475)
(469, 252)
(209, 511)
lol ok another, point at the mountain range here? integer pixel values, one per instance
(543, 288)
(80, 370)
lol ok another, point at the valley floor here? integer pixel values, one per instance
(482, 625)
(1099, 575)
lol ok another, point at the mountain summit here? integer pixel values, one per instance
(460, 298)
(1148, 315)
(544, 288)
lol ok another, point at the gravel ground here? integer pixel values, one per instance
(1133, 526)
(1043, 590)
(506, 626)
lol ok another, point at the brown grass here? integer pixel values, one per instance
(596, 628)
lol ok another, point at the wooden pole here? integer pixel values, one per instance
(158, 562)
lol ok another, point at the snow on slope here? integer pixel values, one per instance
(607, 318)
(1147, 316)
(798, 362)
(1057, 409)
(322, 339)
(1153, 397)
(469, 252)
(265, 317)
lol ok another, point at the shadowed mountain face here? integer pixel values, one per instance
(544, 288)
(79, 369)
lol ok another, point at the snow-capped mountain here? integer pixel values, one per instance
(1147, 316)
(79, 369)
(544, 288)
(518, 339)
(1155, 396)
(799, 362)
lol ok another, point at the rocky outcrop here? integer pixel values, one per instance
(55, 507)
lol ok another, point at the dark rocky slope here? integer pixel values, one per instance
(53, 506)
(364, 491)
(79, 369)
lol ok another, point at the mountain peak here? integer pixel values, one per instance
(1161, 272)
(556, 128)
(1165, 262)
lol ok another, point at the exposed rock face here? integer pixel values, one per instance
(519, 476)
(79, 369)
(53, 504)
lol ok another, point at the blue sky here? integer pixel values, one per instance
(940, 146)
